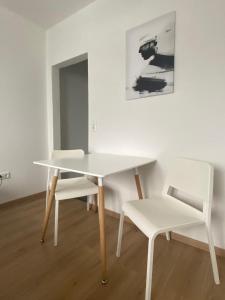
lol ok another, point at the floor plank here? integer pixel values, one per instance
(72, 270)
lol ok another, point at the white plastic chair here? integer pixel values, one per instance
(166, 213)
(69, 188)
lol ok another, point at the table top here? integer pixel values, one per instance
(97, 164)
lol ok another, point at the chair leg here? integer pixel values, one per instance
(213, 256)
(120, 234)
(95, 204)
(89, 199)
(168, 235)
(56, 223)
(149, 269)
(92, 203)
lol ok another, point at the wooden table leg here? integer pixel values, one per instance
(49, 205)
(138, 184)
(47, 197)
(95, 198)
(101, 213)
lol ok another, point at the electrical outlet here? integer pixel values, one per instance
(5, 175)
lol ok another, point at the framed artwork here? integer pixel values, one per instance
(150, 51)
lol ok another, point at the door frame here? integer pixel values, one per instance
(55, 140)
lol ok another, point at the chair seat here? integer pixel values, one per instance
(157, 215)
(74, 188)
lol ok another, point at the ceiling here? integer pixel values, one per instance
(45, 13)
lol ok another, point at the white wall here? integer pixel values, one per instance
(188, 123)
(23, 137)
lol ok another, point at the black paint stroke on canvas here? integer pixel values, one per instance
(165, 62)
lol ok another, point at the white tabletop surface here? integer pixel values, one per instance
(97, 164)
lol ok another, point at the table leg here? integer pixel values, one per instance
(101, 213)
(47, 189)
(95, 198)
(47, 197)
(138, 184)
(49, 205)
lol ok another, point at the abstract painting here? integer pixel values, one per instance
(150, 58)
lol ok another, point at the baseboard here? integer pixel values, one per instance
(197, 244)
(23, 199)
(117, 216)
(178, 237)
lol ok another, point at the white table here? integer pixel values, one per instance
(99, 165)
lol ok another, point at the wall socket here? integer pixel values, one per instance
(4, 175)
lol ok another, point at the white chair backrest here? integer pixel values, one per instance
(194, 178)
(60, 154)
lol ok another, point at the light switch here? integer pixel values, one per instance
(94, 126)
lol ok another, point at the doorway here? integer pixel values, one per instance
(74, 106)
(70, 104)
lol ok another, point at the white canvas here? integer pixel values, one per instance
(150, 58)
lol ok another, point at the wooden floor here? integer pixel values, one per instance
(72, 270)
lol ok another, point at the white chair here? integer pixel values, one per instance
(166, 213)
(69, 188)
